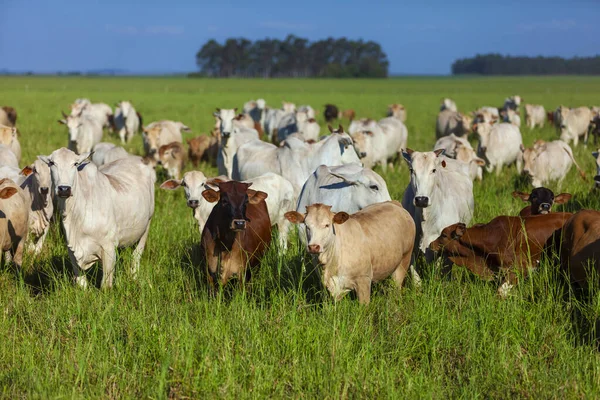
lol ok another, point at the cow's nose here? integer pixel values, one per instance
(545, 206)
(44, 191)
(152, 151)
(314, 248)
(64, 191)
(193, 203)
(238, 224)
(363, 154)
(226, 134)
(597, 178)
(421, 201)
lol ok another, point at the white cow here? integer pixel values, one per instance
(295, 160)
(9, 138)
(37, 185)
(280, 200)
(449, 122)
(535, 115)
(548, 161)
(512, 102)
(383, 145)
(348, 188)
(102, 208)
(440, 193)
(84, 132)
(100, 112)
(448, 104)
(500, 145)
(308, 110)
(290, 124)
(127, 121)
(461, 150)
(105, 153)
(575, 123)
(160, 133)
(8, 157)
(232, 137)
(512, 116)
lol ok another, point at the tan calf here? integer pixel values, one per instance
(203, 148)
(356, 250)
(172, 156)
(14, 204)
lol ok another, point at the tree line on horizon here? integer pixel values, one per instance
(292, 57)
(496, 64)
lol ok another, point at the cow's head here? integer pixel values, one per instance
(362, 143)
(467, 155)
(288, 107)
(42, 178)
(423, 167)
(483, 130)
(448, 239)
(193, 183)
(64, 165)
(74, 123)
(170, 153)
(232, 200)
(151, 135)
(542, 199)
(345, 143)
(530, 156)
(225, 117)
(7, 135)
(367, 186)
(320, 224)
(126, 108)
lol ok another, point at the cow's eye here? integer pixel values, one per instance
(76, 164)
(327, 225)
(412, 171)
(183, 184)
(374, 187)
(50, 163)
(433, 171)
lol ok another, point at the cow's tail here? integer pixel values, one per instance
(141, 126)
(581, 172)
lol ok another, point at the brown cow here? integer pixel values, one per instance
(541, 199)
(237, 232)
(508, 244)
(580, 246)
(172, 157)
(203, 148)
(8, 116)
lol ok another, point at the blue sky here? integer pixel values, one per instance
(420, 37)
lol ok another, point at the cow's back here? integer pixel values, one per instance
(15, 219)
(385, 238)
(581, 244)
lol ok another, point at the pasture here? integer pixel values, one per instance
(282, 336)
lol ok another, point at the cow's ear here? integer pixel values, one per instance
(26, 171)
(330, 128)
(368, 133)
(294, 217)
(211, 195)
(595, 154)
(340, 217)
(407, 154)
(84, 159)
(62, 121)
(235, 109)
(479, 161)
(459, 231)
(256, 196)
(522, 148)
(520, 195)
(44, 159)
(562, 198)
(439, 152)
(171, 184)
(7, 192)
(216, 114)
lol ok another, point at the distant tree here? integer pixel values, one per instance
(292, 57)
(496, 64)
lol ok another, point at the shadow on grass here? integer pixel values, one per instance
(45, 277)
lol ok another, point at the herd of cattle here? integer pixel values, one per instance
(275, 170)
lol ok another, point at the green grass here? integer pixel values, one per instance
(282, 336)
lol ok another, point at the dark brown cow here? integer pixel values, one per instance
(508, 244)
(550, 117)
(237, 232)
(331, 112)
(580, 246)
(541, 199)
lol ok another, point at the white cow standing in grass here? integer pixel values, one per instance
(440, 193)
(100, 112)
(84, 132)
(127, 121)
(548, 161)
(500, 145)
(102, 208)
(232, 137)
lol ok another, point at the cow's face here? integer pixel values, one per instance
(74, 124)
(226, 117)
(347, 150)
(233, 198)
(64, 165)
(193, 183)
(320, 224)
(170, 153)
(448, 239)
(7, 135)
(530, 156)
(483, 130)
(288, 107)
(43, 178)
(126, 108)
(542, 199)
(423, 167)
(362, 143)
(150, 137)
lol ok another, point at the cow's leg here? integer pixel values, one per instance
(109, 255)
(37, 248)
(283, 226)
(122, 134)
(137, 253)
(363, 290)
(519, 164)
(575, 141)
(400, 273)
(8, 257)
(78, 272)
(499, 168)
(18, 257)
(508, 284)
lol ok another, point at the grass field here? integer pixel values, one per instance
(162, 336)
